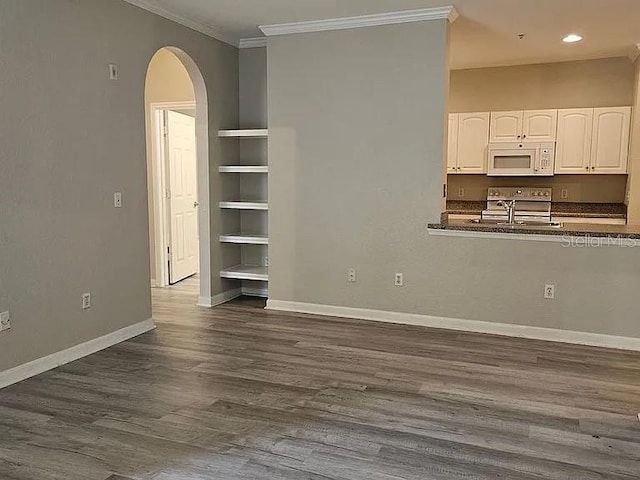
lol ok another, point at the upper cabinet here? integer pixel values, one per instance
(588, 140)
(539, 125)
(452, 150)
(527, 126)
(594, 141)
(506, 127)
(473, 136)
(468, 151)
(573, 151)
(610, 141)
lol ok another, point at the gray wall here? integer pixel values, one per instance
(253, 114)
(356, 124)
(580, 188)
(69, 138)
(606, 82)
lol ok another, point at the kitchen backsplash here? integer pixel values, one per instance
(579, 188)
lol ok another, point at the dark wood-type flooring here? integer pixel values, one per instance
(237, 392)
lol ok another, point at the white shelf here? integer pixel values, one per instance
(254, 133)
(245, 239)
(244, 205)
(244, 169)
(245, 272)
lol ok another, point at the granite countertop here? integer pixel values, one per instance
(558, 209)
(572, 229)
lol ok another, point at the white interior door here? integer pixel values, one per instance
(183, 198)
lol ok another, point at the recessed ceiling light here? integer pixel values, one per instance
(572, 38)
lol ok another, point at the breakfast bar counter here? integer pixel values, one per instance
(600, 234)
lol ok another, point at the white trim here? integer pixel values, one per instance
(255, 292)
(208, 30)
(257, 42)
(567, 240)
(219, 299)
(504, 329)
(390, 18)
(36, 367)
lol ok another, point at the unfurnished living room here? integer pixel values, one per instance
(320, 240)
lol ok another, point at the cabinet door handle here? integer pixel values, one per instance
(587, 168)
(524, 136)
(593, 168)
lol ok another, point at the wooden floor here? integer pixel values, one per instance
(237, 392)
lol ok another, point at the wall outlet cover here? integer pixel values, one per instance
(117, 200)
(5, 321)
(549, 292)
(86, 301)
(399, 280)
(352, 276)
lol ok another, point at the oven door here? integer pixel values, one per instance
(509, 162)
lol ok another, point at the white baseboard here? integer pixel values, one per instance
(255, 292)
(219, 299)
(35, 367)
(510, 330)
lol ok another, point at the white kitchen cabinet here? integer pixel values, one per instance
(473, 141)
(521, 126)
(506, 126)
(610, 140)
(452, 150)
(539, 125)
(573, 150)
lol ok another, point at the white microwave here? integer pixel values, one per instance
(522, 159)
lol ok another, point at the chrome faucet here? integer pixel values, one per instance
(510, 207)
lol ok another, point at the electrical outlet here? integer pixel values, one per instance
(461, 192)
(5, 321)
(117, 200)
(399, 280)
(86, 301)
(564, 194)
(266, 262)
(113, 71)
(352, 276)
(549, 292)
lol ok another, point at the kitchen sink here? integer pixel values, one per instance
(521, 224)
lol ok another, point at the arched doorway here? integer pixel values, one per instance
(176, 112)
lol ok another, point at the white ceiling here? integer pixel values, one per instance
(486, 34)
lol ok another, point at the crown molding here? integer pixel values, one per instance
(391, 18)
(208, 30)
(253, 42)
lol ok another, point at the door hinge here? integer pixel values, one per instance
(165, 131)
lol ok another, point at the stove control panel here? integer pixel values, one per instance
(520, 193)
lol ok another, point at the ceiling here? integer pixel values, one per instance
(485, 34)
